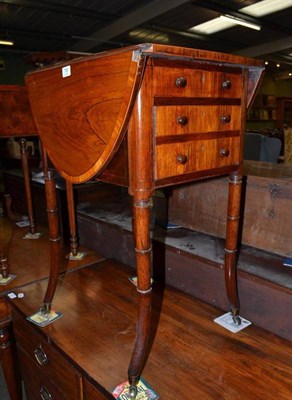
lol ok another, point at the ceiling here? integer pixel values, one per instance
(98, 25)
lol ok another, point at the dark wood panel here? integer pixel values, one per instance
(187, 347)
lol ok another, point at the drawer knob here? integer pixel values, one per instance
(181, 82)
(225, 119)
(182, 119)
(182, 158)
(224, 152)
(41, 356)
(45, 394)
(226, 84)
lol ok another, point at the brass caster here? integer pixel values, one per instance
(236, 319)
(132, 392)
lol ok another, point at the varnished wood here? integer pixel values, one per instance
(7, 358)
(16, 120)
(24, 162)
(115, 92)
(251, 364)
(72, 218)
(54, 232)
(15, 112)
(29, 262)
(233, 219)
(4, 268)
(102, 120)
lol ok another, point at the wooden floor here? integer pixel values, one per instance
(190, 357)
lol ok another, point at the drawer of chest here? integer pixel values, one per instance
(172, 159)
(92, 393)
(50, 361)
(175, 120)
(37, 383)
(189, 82)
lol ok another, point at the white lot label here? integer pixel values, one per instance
(66, 71)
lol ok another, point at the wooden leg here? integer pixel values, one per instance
(4, 268)
(72, 220)
(141, 222)
(6, 353)
(9, 212)
(54, 237)
(233, 216)
(24, 161)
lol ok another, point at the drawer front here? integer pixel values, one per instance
(54, 365)
(37, 383)
(188, 82)
(176, 120)
(174, 159)
(92, 393)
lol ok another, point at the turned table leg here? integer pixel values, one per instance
(141, 230)
(54, 237)
(72, 221)
(4, 268)
(24, 161)
(233, 217)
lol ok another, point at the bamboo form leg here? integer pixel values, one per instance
(141, 222)
(233, 217)
(4, 268)
(11, 215)
(24, 161)
(72, 220)
(54, 237)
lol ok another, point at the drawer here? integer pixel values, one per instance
(92, 393)
(188, 82)
(55, 366)
(175, 120)
(37, 383)
(193, 156)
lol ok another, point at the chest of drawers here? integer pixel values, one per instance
(147, 117)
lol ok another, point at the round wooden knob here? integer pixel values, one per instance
(224, 152)
(226, 84)
(225, 119)
(182, 119)
(182, 158)
(181, 82)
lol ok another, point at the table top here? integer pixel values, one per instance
(29, 260)
(16, 118)
(83, 107)
(188, 350)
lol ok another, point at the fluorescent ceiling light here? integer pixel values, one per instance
(212, 26)
(266, 7)
(239, 21)
(6, 42)
(259, 9)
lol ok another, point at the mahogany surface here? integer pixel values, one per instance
(29, 261)
(16, 120)
(191, 357)
(15, 112)
(88, 110)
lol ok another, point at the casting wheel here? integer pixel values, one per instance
(133, 392)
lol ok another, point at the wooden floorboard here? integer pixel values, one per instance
(191, 357)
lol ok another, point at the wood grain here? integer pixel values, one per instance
(15, 112)
(191, 357)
